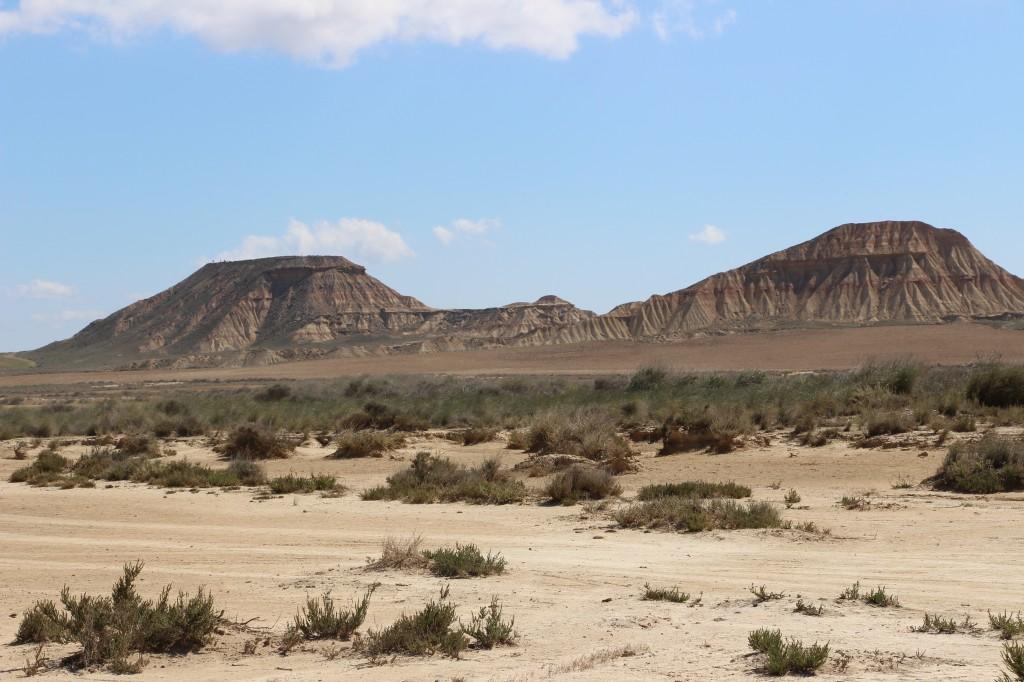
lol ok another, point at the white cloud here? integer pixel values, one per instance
(332, 32)
(444, 235)
(351, 237)
(43, 288)
(694, 18)
(474, 228)
(709, 235)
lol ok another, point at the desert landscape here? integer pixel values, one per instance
(511, 340)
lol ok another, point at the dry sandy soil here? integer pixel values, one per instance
(574, 580)
(797, 350)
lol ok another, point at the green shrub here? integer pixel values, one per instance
(763, 640)
(1009, 625)
(672, 594)
(940, 625)
(1013, 659)
(321, 618)
(808, 609)
(285, 485)
(647, 379)
(886, 423)
(355, 444)
(993, 464)
(795, 658)
(138, 444)
(585, 433)
(273, 394)
(700, 489)
(693, 515)
(432, 479)
(464, 561)
(792, 497)
(879, 597)
(488, 627)
(110, 629)
(996, 385)
(581, 483)
(424, 633)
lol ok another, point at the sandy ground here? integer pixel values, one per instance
(951, 344)
(574, 581)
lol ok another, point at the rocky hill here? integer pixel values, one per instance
(279, 309)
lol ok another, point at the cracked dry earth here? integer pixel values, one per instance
(573, 582)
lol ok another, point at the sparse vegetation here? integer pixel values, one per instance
(488, 629)
(581, 483)
(787, 657)
(877, 597)
(672, 594)
(855, 502)
(995, 385)
(940, 625)
(792, 497)
(693, 515)
(993, 464)
(464, 561)
(355, 444)
(699, 489)
(401, 555)
(475, 435)
(1009, 625)
(252, 442)
(808, 609)
(290, 484)
(110, 630)
(1013, 659)
(435, 479)
(762, 594)
(322, 619)
(424, 633)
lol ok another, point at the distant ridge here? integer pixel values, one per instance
(295, 307)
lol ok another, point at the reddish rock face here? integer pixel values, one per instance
(276, 309)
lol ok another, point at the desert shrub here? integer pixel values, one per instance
(701, 489)
(380, 417)
(808, 609)
(964, 423)
(432, 479)
(47, 469)
(110, 629)
(647, 379)
(898, 377)
(138, 444)
(426, 632)
(321, 618)
(694, 515)
(763, 639)
(518, 439)
(285, 485)
(585, 433)
(855, 503)
(255, 442)
(477, 435)
(1009, 625)
(464, 561)
(672, 594)
(1013, 659)
(876, 423)
(762, 594)
(488, 627)
(792, 497)
(399, 555)
(581, 483)
(993, 464)
(354, 444)
(995, 385)
(273, 394)
(787, 657)
(113, 465)
(876, 597)
(940, 625)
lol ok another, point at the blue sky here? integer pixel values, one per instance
(571, 147)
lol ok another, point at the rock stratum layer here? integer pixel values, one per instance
(278, 309)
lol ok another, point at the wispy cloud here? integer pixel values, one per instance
(352, 237)
(695, 19)
(446, 234)
(332, 32)
(709, 235)
(43, 288)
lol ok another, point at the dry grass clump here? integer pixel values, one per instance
(432, 479)
(876, 597)
(701, 435)
(49, 468)
(762, 594)
(464, 561)
(807, 609)
(699, 489)
(379, 417)
(111, 629)
(253, 442)
(474, 435)
(585, 433)
(424, 633)
(789, 656)
(138, 444)
(1009, 625)
(112, 465)
(355, 444)
(855, 503)
(399, 555)
(591, 661)
(286, 485)
(581, 483)
(886, 423)
(993, 464)
(693, 515)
